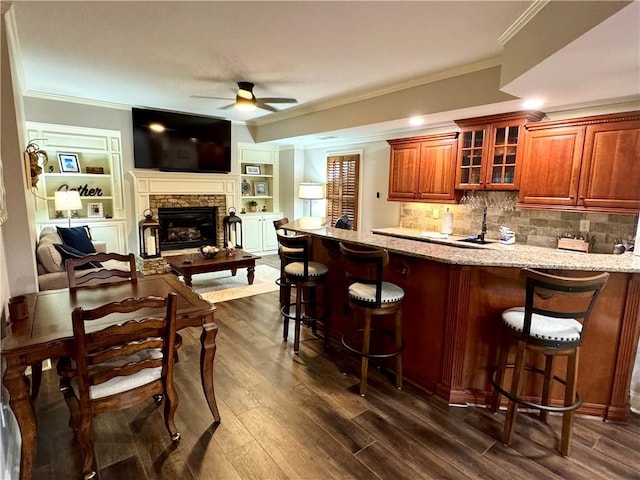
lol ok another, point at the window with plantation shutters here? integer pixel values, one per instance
(343, 188)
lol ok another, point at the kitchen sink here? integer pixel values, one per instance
(475, 240)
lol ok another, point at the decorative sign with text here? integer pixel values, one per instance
(84, 190)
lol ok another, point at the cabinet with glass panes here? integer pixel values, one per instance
(489, 149)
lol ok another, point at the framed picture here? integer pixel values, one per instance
(252, 170)
(69, 162)
(94, 210)
(260, 188)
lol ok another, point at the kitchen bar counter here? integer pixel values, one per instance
(412, 242)
(454, 296)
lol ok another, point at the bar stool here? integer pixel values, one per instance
(287, 255)
(305, 276)
(552, 322)
(371, 297)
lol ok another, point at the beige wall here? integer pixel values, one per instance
(18, 234)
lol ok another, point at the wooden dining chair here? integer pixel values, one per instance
(99, 271)
(121, 365)
(77, 277)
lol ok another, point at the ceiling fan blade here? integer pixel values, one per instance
(210, 98)
(227, 106)
(277, 100)
(264, 106)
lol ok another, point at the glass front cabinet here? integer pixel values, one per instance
(489, 149)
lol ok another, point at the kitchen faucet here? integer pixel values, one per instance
(484, 224)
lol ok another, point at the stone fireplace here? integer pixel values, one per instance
(156, 190)
(188, 211)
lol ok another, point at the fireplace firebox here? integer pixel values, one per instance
(187, 227)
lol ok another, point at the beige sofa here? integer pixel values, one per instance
(51, 270)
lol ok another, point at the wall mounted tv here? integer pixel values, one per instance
(178, 142)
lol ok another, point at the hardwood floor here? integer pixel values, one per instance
(300, 417)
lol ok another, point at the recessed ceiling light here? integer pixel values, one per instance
(156, 127)
(416, 121)
(533, 103)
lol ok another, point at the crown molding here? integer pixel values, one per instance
(522, 20)
(5, 6)
(313, 107)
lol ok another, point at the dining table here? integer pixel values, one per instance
(47, 333)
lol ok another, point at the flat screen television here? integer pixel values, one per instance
(180, 142)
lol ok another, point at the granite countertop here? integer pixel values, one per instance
(416, 243)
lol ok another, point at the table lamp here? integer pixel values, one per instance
(311, 192)
(68, 200)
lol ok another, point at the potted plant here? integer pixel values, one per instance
(253, 205)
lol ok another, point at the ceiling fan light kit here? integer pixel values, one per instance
(247, 101)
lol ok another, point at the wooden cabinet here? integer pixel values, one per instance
(423, 168)
(490, 150)
(610, 175)
(551, 166)
(259, 234)
(589, 163)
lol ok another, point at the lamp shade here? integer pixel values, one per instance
(311, 191)
(67, 200)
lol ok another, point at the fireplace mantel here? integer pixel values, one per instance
(152, 182)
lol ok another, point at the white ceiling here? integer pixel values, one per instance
(159, 53)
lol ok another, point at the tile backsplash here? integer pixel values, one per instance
(532, 227)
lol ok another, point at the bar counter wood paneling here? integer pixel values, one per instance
(452, 307)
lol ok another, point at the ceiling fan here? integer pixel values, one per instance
(246, 100)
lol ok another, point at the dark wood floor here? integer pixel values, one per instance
(300, 417)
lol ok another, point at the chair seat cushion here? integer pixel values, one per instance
(366, 292)
(124, 383)
(543, 327)
(296, 269)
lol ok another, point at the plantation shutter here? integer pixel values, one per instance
(342, 188)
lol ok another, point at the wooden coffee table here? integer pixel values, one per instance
(191, 264)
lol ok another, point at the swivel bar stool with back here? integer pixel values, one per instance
(371, 299)
(552, 322)
(305, 276)
(287, 255)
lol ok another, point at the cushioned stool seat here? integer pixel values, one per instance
(287, 255)
(552, 322)
(305, 276)
(372, 298)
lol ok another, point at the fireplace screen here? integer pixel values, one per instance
(187, 227)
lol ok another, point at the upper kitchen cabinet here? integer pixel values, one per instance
(423, 168)
(588, 163)
(490, 150)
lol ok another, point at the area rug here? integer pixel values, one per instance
(219, 287)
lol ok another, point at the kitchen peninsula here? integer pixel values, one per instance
(453, 299)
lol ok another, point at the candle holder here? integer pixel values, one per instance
(149, 232)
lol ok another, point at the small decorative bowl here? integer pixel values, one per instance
(208, 251)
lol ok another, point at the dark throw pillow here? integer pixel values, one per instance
(69, 252)
(78, 238)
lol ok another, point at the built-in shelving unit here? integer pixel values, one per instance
(258, 177)
(96, 157)
(258, 166)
